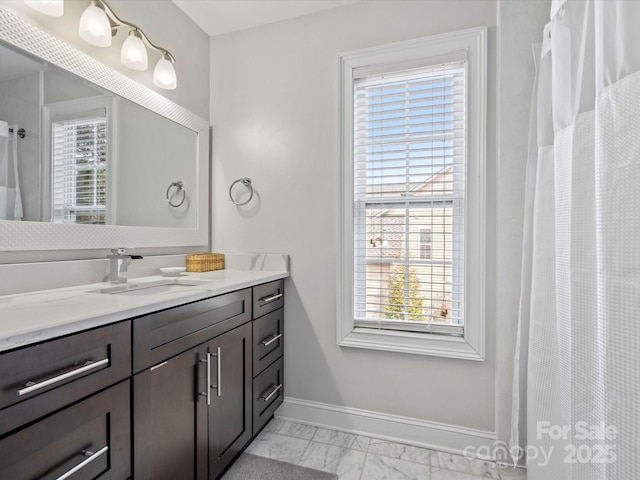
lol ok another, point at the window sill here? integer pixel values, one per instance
(414, 343)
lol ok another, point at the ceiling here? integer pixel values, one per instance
(217, 17)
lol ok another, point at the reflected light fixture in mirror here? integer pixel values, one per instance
(99, 23)
(53, 8)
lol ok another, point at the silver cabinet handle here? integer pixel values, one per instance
(32, 386)
(275, 337)
(218, 387)
(270, 299)
(273, 392)
(207, 392)
(91, 457)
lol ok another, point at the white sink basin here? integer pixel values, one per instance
(152, 288)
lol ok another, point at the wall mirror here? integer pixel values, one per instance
(104, 161)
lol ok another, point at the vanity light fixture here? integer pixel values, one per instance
(99, 24)
(53, 8)
(134, 53)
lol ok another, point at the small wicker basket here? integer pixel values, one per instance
(205, 262)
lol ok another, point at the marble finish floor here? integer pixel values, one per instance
(356, 457)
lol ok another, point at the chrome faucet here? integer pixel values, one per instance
(119, 261)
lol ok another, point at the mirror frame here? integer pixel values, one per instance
(16, 32)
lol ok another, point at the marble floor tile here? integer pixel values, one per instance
(463, 464)
(401, 451)
(361, 443)
(509, 473)
(273, 426)
(444, 474)
(332, 437)
(345, 462)
(297, 430)
(279, 447)
(379, 467)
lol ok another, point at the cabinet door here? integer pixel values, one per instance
(89, 439)
(230, 425)
(170, 419)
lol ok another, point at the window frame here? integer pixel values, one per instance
(396, 57)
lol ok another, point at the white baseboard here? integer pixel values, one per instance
(422, 433)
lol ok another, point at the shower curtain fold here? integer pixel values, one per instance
(579, 328)
(10, 196)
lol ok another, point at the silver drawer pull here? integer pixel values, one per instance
(91, 456)
(275, 337)
(270, 299)
(207, 393)
(37, 385)
(218, 386)
(273, 392)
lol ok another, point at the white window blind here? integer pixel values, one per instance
(79, 176)
(409, 188)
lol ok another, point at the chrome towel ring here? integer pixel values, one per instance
(246, 181)
(180, 188)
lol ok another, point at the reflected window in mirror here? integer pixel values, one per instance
(80, 160)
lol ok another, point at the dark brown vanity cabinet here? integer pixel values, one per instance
(192, 411)
(175, 394)
(268, 351)
(53, 424)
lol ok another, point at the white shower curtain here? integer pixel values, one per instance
(10, 197)
(579, 322)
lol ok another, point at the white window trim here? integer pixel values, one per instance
(472, 345)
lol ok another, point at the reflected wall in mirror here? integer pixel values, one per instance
(89, 156)
(99, 154)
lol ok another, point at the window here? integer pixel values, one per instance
(79, 149)
(412, 177)
(425, 244)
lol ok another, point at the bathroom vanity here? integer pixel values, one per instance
(175, 392)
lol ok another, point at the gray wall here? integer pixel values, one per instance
(150, 156)
(274, 116)
(163, 22)
(19, 104)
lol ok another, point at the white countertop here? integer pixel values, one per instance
(29, 318)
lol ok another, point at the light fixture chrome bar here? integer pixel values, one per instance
(116, 22)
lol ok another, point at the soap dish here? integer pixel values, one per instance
(173, 271)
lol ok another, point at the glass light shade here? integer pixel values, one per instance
(53, 8)
(95, 27)
(134, 53)
(164, 75)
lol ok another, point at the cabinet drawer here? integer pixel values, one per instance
(268, 340)
(268, 297)
(164, 334)
(268, 393)
(91, 436)
(42, 378)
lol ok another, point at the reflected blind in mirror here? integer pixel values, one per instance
(79, 170)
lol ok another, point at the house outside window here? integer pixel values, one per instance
(412, 177)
